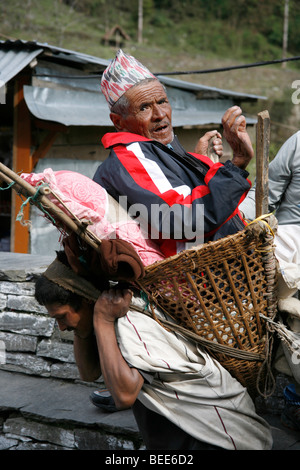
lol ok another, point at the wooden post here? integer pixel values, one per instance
(285, 32)
(262, 163)
(140, 22)
(22, 162)
(53, 130)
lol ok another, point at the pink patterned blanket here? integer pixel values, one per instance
(88, 200)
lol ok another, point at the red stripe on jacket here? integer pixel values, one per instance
(143, 179)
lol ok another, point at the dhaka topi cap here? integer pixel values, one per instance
(121, 74)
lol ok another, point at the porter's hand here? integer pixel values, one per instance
(112, 304)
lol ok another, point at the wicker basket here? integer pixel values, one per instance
(218, 291)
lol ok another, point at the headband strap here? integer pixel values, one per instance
(60, 274)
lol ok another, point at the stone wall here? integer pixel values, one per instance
(43, 403)
(30, 341)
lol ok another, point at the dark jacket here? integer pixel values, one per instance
(155, 178)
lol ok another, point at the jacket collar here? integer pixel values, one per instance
(114, 138)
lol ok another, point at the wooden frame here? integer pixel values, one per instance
(22, 162)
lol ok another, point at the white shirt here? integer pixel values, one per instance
(189, 387)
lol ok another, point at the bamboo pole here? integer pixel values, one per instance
(23, 187)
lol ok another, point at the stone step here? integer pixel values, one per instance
(41, 412)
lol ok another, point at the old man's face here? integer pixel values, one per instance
(150, 112)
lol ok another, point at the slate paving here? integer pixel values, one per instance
(56, 401)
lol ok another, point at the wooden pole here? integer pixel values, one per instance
(285, 32)
(22, 162)
(140, 22)
(262, 163)
(71, 224)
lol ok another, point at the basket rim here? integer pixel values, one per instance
(254, 229)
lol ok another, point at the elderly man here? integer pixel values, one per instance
(181, 397)
(148, 165)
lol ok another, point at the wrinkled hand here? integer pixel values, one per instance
(112, 304)
(235, 132)
(203, 144)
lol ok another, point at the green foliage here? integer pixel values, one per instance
(255, 28)
(249, 29)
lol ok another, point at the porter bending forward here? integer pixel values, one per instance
(148, 165)
(182, 398)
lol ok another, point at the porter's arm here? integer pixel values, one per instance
(123, 382)
(86, 357)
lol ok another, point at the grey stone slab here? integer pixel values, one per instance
(21, 267)
(27, 364)
(3, 301)
(38, 446)
(20, 343)
(7, 443)
(26, 323)
(63, 370)
(56, 350)
(40, 431)
(17, 288)
(283, 437)
(25, 303)
(50, 400)
(91, 440)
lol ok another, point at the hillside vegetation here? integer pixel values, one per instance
(180, 35)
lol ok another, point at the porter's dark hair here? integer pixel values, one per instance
(49, 293)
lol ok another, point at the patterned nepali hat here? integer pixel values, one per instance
(121, 74)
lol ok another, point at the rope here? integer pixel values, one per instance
(233, 67)
(261, 218)
(189, 72)
(33, 200)
(210, 345)
(7, 187)
(266, 370)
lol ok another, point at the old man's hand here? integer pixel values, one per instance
(235, 132)
(213, 140)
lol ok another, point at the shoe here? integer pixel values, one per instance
(290, 416)
(103, 399)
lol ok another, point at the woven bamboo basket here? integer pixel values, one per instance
(220, 292)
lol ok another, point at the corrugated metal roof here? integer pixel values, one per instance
(12, 62)
(21, 45)
(201, 88)
(67, 94)
(84, 108)
(19, 48)
(16, 55)
(46, 75)
(68, 107)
